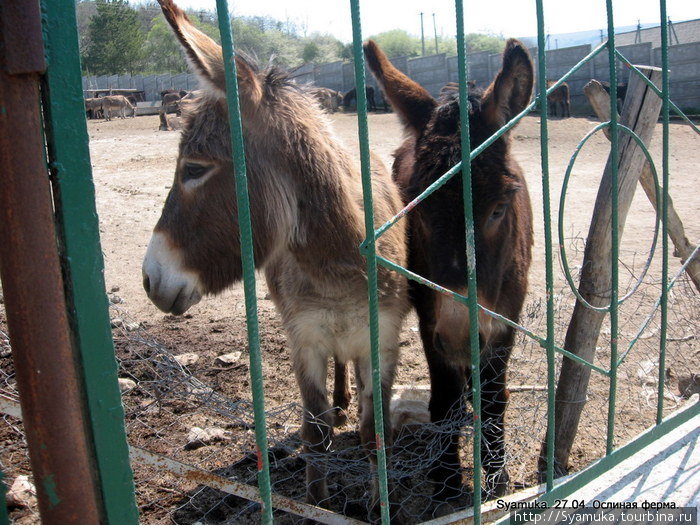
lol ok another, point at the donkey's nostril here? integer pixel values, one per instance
(147, 284)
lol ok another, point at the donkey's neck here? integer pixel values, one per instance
(309, 187)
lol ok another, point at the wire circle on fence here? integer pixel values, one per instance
(562, 202)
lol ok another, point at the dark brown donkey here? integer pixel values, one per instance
(559, 101)
(308, 222)
(437, 246)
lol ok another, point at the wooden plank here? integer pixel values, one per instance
(640, 113)
(600, 101)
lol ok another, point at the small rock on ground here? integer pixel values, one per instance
(199, 437)
(186, 359)
(228, 359)
(22, 493)
(126, 384)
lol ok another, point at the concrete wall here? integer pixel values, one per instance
(435, 71)
(684, 74)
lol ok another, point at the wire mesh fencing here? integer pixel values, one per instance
(184, 408)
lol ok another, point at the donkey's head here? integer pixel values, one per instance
(194, 249)
(499, 193)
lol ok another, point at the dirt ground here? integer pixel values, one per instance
(133, 165)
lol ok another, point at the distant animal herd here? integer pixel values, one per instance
(109, 106)
(330, 101)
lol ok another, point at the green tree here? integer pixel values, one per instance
(163, 52)
(84, 12)
(398, 43)
(115, 39)
(311, 52)
(483, 42)
(345, 51)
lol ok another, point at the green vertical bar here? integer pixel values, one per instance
(471, 254)
(69, 158)
(664, 210)
(251, 306)
(371, 255)
(615, 229)
(549, 257)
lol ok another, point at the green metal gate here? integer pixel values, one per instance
(68, 161)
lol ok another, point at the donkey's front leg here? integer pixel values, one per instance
(317, 427)
(494, 400)
(341, 393)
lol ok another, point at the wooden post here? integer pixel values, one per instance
(600, 101)
(640, 113)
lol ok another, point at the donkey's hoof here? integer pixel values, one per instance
(496, 485)
(340, 417)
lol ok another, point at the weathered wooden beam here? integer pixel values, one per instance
(600, 101)
(640, 113)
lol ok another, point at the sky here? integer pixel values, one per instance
(509, 18)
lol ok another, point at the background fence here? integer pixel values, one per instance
(434, 71)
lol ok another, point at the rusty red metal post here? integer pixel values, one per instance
(46, 366)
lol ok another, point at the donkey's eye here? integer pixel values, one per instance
(498, 211)
(195, 171)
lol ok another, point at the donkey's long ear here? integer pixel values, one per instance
(511, 90)
(205, 55)
(410, 100)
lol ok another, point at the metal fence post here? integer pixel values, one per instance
(78, 230)
(371, 254)
(48, 378)
(247, 257)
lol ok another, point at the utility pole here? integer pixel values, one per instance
(422, 36)
(435, 32)
(673, 31)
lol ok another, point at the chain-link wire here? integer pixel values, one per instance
(166, 402)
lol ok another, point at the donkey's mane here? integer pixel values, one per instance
(442, 137)
(451, 96)
(206, 110)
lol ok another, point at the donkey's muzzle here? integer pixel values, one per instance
(452, 333)
(171, 287)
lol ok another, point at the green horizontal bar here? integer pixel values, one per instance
(425, 194)
(613, 459)
(464, 300)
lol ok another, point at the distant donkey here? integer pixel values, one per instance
(307, 218)
(93, 108)
(329, 99)
(351, 97)
(559, 99)
(119, 104)
(170, 100)
(621, 93)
